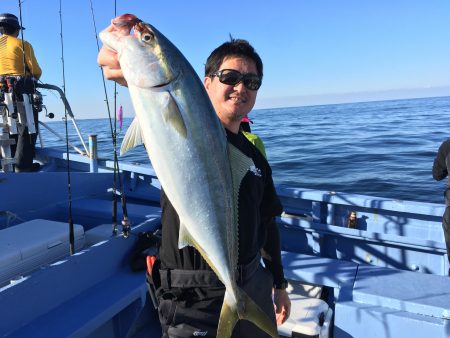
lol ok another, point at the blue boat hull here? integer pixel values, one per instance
(387, 277)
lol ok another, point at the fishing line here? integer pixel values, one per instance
(24, 61)
(21, 35)
(114, 139)
(71, 231)
(125, 221)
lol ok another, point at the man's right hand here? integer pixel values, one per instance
(108, 60)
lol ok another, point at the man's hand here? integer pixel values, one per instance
(282, 305)
(108, 60)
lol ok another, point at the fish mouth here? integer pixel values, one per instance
(126, 20)
(167, 85)
(123, 25)
(162, 85)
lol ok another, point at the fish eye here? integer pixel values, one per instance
(147, 37)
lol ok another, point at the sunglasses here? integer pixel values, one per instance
(233, 77)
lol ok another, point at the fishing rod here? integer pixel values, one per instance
(70, 220)
(21, 35)
(24, 61)
(69, 191)
(125, 221)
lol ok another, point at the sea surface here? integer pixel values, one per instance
(383, 148)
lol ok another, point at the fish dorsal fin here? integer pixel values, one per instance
(184, 237)
(172, 115)
(132, 138)
(240, 164)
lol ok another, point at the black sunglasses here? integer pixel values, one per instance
(233, 77)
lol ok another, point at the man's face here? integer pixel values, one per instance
(232, 102)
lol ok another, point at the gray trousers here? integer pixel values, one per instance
(259, 289)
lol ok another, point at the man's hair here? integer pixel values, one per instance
(8, 29)
(233, 48)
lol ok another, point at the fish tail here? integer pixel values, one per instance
(248, 310)
(228, 318)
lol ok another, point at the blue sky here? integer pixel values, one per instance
(314, 51)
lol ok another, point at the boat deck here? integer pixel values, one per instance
(388, 274)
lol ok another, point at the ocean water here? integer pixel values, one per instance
(383, 149)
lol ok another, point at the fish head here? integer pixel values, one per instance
(141, 50)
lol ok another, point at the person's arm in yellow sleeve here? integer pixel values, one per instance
(32, 63)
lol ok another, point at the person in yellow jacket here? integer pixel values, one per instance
(18, 72)
(12, 61)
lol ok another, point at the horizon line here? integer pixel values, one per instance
(351, 97)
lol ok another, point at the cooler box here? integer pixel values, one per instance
(310, 317)
(29, 245)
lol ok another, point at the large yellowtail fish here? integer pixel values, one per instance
(199, 171)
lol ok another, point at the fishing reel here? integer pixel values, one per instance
(126, 227)
(36, 98)
(47, 114)
(38, 104)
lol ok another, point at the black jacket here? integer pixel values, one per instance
(258, 205)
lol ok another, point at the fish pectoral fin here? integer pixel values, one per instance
(227, 320)
(172, 115)
(132, 138)
(184, 237)
(253, 313)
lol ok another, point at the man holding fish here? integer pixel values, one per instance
(218, 199)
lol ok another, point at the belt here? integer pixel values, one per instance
(179, 278)
(3, 78)
(17, 77)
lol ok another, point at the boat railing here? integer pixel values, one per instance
(69, 115)
(61, 138)
(398, 234)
